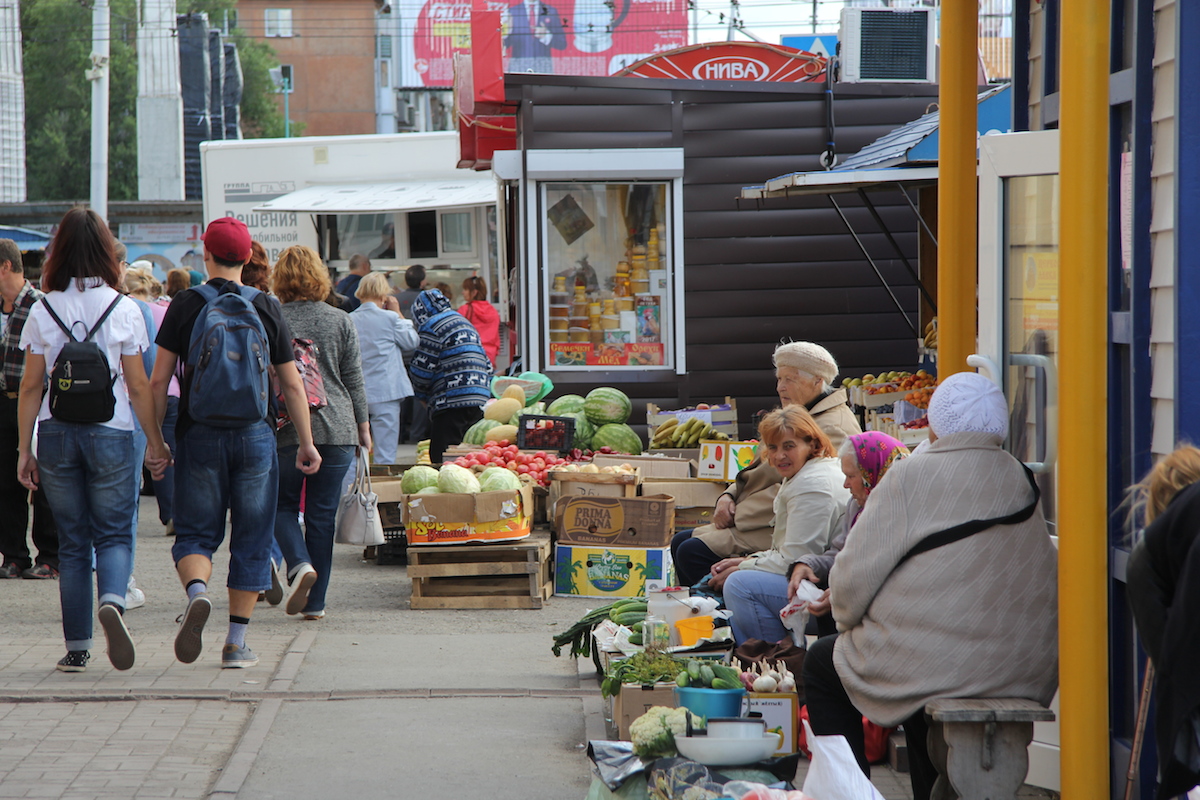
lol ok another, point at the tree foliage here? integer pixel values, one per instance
(57, 43)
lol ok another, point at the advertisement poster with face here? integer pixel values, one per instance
(560, 37)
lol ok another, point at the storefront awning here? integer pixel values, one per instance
(25, 238)
(385, 198)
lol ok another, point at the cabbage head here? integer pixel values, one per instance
(418, 478)
(430, 490)
(499, 479)
(454, 479)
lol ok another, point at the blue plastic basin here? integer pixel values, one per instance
(710, 703)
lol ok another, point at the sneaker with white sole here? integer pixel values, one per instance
(74, 661)
(235, 656)
(314, 615)
(302, 583)
(134, 597)
(274, 595)
(189, 642)
(120, 645)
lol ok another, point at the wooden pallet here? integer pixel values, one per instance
(508, 575)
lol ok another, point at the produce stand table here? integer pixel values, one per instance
(462, 576)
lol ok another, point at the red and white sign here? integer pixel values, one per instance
(732, 61)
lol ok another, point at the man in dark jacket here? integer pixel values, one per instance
(450, 371)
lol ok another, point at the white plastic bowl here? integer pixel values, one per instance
(714, 752)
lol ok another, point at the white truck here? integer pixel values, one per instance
(396, 198)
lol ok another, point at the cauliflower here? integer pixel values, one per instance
(653, 733)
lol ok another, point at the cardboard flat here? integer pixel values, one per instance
(459, 518)
(691, 493)
(589, 484)
(725, 420)
(690, 453)
(634, 700)
(387, 489)
(598, 571)
(651, 466)
(616, 521)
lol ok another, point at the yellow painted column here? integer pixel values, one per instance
(1083, 350)
(957, 184)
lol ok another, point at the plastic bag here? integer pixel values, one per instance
(795, 614)
(834, 773)
(747, 790)
(534, 384)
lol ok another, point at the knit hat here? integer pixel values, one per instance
(806, 357)
(967, 401)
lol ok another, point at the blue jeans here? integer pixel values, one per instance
(88, 473)
(324, 490)
(235, 469)
(164, 490)
(754, 599)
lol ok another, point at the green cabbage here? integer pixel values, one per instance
(418, 478)
(454, 479)
(499, 479)
(429, 490)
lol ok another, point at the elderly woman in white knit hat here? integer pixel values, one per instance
(947, 586)
(742, 519)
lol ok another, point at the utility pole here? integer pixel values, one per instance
(98, 75)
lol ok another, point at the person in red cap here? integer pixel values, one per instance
(225, 462)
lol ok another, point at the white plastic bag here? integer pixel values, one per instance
(795, 614)
(833, 773)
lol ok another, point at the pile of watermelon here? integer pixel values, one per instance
(599, 420)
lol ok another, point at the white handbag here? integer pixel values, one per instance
(357, 520)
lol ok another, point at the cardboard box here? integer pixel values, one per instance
(724, 419)
(387, 489)
(722, 461)
(781, 713)
(652, 466)
(458, 518)
(598, 571)
(687, 519)
(616, 521)
(694, 500)
(588, 484)
(634, 700)
(690, 453)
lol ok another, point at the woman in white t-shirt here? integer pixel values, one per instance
(87, 470)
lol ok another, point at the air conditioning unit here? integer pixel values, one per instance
(888, 45)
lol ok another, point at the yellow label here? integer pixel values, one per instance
(458, 532)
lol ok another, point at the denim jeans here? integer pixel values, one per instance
(235, 469)
(164, 489)
(754, 599)
(88, 473)
(324, 490)
(139, 455)
(692, 558)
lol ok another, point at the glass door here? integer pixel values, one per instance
(1018, 326)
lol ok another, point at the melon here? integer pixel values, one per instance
(567, 404)
(605, 405)
(537, 409)
(619, 437)
(503, 409)
(476, 432)
(502, 433)
(583, 430)
(515, 392)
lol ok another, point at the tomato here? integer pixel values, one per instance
(540, 454)
(512, 465)
(523, 469)
(498, 462)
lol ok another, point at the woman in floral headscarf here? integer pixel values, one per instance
(866, 458)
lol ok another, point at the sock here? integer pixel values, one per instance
(237, 630)
(195, 587)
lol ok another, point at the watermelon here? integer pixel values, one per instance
(583, 430)
(538, 409)
(605, 405)
(476, 432)
(567, 404)
(619, 437)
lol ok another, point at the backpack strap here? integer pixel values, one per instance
(53, 316)
(958, 532)
(104, 316)
(95, 327)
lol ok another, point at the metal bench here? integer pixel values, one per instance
(980, 745)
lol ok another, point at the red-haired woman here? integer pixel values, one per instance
(482, 315)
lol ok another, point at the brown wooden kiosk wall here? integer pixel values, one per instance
(755, 273)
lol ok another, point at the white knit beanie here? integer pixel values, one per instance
(807, 357)
(967, 401)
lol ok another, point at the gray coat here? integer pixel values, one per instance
(384, 340)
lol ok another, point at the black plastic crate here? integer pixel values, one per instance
(545, 433)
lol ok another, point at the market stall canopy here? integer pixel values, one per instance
(907, 155)
(383, 198)
(25, 238)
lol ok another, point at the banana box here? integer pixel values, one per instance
(462, 518)
(722, 461)
(582, 570)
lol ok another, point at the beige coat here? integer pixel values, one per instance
(755, 488)
(976, 618)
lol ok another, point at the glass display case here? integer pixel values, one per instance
(609, 273)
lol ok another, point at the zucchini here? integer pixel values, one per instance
(727, 673)
(628, 618)
(721, 683)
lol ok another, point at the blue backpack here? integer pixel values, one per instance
(229, 355)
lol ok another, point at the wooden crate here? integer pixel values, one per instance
(509, 575)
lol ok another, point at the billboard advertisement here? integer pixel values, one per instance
(560, 37)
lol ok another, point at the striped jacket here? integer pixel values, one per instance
(450, 368)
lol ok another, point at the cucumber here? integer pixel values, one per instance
(628, 618)
(637, 626)
(721, 683)
(727, 673)
(682, 679)
(693, 669)
(706, 675)
(635, 638)
(621, 608)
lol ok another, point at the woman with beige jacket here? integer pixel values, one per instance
(742, 517)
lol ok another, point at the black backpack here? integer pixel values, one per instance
(81, 383)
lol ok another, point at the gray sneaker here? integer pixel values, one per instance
(235, 656)
(189, 641)
(120, 646)
(274, 595)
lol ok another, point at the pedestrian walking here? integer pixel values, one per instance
(385, 339)
(18, 295)
(327, 337)
(226, 458)
(94, 337)
(347, 287)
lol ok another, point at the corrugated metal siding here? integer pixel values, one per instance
(753, 276)
(1162, 231)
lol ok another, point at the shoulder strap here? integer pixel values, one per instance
(951, 535)
(209, 293)
(59, 322)
(104, 316)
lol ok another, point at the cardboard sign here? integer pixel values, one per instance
(781, 712)
(722, 461)
(616, 521)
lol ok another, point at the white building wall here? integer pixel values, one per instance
(1162, 231)
(12, 104)
(159, 105)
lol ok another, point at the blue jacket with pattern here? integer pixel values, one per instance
(450, 368)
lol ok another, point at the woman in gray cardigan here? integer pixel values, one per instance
(301, 283)
(385, 337)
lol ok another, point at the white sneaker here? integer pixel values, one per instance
(134, 597)
(303, 581)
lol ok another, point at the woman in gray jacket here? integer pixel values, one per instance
(301, 283)
(385, 337)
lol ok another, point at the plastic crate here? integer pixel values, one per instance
(545, 433)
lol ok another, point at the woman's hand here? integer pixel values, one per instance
(723, 513)
(27, 471)
(801, 572)
(819, 608)
(721, 571)
(157, 460)
(364, 436)
(390, 303)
